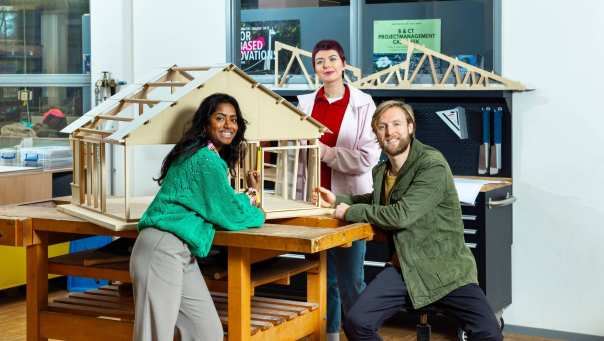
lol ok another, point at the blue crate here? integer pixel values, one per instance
(78, 284)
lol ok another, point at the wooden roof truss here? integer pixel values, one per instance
(443, 72)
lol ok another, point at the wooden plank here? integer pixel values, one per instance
(258, 255)
(311, 221)
(295, 329)
(282, 268)
(88, 166)
(95, 131)
(84, 328)
(271, 307)
(285, 314)
(114, 118)
(79, 174)
(253, 328)
(277, 301)
(166, 84)
(126, 185)
(124, 301)
(93, 303)
(90, 311)
(271, 320)
(97, 271)
(93, 176)
(140, 101)
(37, 284)
(190, 68)
(295, 169)
(98, 218)
(294, 239)
(239, 289)
(103, 180)
(316, 288)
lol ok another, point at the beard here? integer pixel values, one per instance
(401, 147)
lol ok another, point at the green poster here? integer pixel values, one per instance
(388, 33)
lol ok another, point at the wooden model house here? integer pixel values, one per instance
(158, 112)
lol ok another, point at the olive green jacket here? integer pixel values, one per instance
(424, 216)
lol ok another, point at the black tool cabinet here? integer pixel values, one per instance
(487, 224)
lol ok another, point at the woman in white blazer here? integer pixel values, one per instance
(346, 159)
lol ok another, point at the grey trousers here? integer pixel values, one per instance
(171, 298)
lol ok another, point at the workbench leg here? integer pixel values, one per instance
(37, 283)
(239, 292)
(316, 286)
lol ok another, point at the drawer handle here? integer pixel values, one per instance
(471, 217)
(471, 245)
(509, 199)
(469, 231)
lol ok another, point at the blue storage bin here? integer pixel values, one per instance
(79, 283)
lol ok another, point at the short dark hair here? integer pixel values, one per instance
(325, 45)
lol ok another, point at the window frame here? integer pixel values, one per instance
(233, 24)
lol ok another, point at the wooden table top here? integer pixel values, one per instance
(308, 235)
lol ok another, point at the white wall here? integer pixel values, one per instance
(190, 32)
(111, 39)
(130, 38)
(558, 252)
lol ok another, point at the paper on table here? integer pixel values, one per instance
(468, 189)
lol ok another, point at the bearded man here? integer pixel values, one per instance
(414, 200)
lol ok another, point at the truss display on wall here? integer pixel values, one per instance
(423, 69)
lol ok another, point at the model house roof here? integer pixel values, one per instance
(160, 109)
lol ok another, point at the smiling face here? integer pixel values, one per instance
(223, 125)
(393, 131)
(329, 66)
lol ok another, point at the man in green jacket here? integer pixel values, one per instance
(414, 200)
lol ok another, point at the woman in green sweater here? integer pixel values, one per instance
(195, 198)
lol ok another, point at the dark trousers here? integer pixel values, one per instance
(387, 293)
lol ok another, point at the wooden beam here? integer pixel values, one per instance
(95, 131)
(165, 84)
(114, 118)
(140, 101)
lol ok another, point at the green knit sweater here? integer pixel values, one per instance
(196, 198)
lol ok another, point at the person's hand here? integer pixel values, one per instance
(340, 211)
(252, 179)
(328, 199)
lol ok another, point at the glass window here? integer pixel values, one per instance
(39, 111)
(458, 28)
(298, 23)
(41, 36)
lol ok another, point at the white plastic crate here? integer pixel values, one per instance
(9, 157)
(50, 157)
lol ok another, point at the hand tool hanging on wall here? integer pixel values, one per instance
(483, 156)
(104, 88)
(456, 120)
(497, 138)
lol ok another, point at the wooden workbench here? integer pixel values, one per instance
(35, 226)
